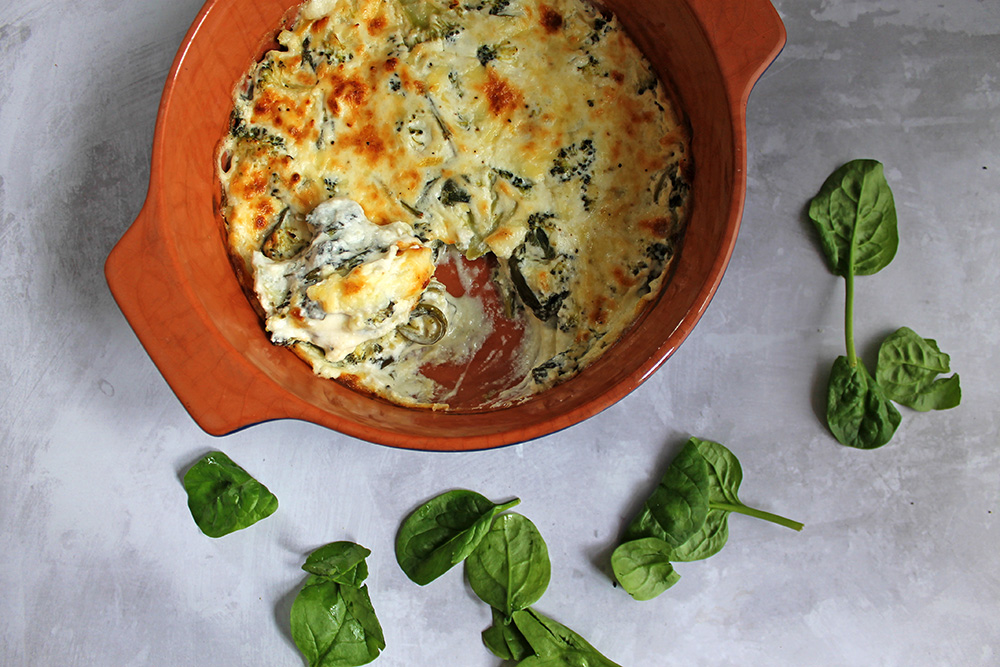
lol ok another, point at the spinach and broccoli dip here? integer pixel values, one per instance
(383, 138)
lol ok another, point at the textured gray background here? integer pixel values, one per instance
(101, 564)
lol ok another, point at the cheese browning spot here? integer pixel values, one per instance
(351, 92)
(376, 25)
(503, 98)
(367, 142)
(658, 227)
(551, 20)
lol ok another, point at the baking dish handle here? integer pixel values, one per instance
(215, 386)
(747, 35)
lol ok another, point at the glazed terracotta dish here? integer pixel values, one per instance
(173, 279)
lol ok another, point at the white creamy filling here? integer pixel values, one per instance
(355, 282)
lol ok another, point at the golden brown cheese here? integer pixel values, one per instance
(533, 131)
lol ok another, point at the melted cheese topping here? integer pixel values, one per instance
(530, 130)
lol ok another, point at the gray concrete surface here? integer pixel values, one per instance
(101, 564)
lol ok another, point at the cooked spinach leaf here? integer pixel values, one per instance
(223, 497)
(510, 568)
(521, 183)
(452, 193)
(486, 54)
(908, 369)
(443, 531)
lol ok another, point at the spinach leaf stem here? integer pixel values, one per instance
(756, 513)
(852, 358)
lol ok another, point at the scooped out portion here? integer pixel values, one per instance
(355, 282)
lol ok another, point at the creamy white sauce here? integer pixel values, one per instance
(351, 285)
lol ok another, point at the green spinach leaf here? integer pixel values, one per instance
(858, 412)
(334, 625)
(494, 640)
(724, 478)
(678, 506)
(443, 532)
(908, 369)
(643, 567)
(359, 607)
(504, 640)
(564, 658)
(555, 644)
(643, 562)
(341, 562)
(855, 216)
(510, 568)
(223, 497)
(706, 542)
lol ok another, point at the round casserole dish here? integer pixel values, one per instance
(172, 279)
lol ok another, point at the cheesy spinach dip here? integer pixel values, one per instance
(384, 137)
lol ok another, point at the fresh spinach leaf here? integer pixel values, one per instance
(223, 497)
(504, 640)
(507, 566)
(708, 541)
(908, 369)
(555, 644)
(642, 563)
(341, 562)
(443, 532)
(858, 412)
(724, 478)
(494, 640)
(564, 658)
(334, 625)
(855, 215)
(643, 567)
(678, 506)
(359, 607)
(510, 568)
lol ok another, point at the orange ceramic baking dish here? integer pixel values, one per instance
(172, 279)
